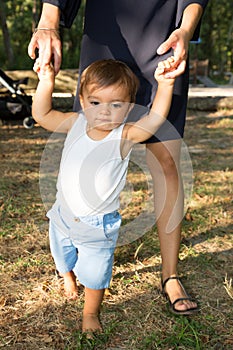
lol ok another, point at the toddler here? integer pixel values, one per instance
(84, 220)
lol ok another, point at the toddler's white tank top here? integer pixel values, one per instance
(92, 173)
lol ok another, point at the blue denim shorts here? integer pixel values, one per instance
(84, 245)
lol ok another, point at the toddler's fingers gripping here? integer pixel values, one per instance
(168, 63)
(171, 59)
(164, 67)
(159, 71)
(36, 66)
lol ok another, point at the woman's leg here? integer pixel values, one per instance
(163, 161)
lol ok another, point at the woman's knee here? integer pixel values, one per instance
(163, 160)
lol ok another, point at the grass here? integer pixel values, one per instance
(33, 313)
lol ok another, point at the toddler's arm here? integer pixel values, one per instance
(42, 111)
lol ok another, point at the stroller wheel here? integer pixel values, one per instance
(28, 122)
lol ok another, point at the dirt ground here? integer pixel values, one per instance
(33, 312)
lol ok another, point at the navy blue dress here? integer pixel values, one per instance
(131, 31)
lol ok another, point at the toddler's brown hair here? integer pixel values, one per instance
(109, 72)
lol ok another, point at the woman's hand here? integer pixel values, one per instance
(178, 41)
(48, 43)
(46, 39)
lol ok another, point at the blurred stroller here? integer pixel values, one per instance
(14, 102)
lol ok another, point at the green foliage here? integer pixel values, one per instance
(216, 37)
(71, 41)
(185, 334)
(19, 23)
(22, 15)
(21, 19)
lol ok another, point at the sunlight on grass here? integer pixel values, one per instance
(228, 286)
(34, 313)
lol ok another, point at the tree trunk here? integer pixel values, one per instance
(6, 35)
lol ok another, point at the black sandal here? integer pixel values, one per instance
(189, 311)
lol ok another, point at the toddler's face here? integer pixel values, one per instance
(105, 108)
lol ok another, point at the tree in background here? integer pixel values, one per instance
(71, 40)
(217, 37)
(6, 51)
(18, 19)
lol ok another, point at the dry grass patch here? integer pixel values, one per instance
(33, 312)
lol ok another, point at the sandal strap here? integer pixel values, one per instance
(168, 279)
(182, 299)
(187, 311)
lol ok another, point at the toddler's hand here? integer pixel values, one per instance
(163, 70)
(47, 73)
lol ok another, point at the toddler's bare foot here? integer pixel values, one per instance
(91, 324)
(70, 285)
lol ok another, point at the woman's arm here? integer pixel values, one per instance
(46, 39)
(190, 19)
(179, 38)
